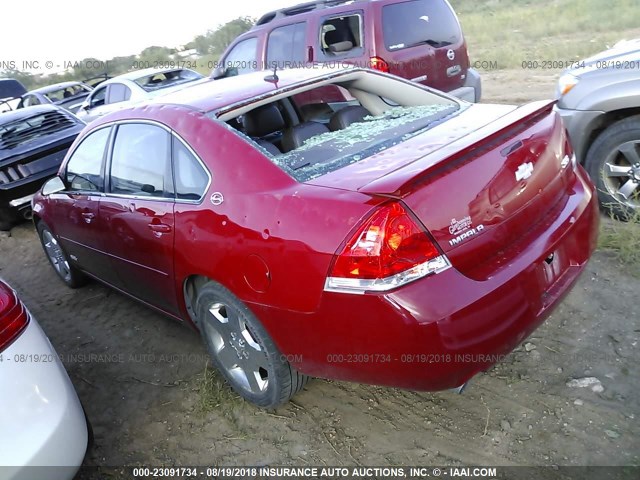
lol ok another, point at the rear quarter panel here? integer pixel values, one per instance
(272, 239)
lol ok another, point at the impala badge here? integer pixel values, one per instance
(217, 198)
(524, 171)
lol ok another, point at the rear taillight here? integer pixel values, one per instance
(13, 317)
(379, 64)
(388, 250)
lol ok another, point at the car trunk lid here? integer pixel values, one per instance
(478, 190)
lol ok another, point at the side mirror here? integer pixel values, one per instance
(218, 72)
(224, 72)
(53, 185)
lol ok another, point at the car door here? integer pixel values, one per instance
(75, 210)
(139, 210)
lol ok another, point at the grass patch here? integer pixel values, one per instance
(622, 239)
(216, 394)
(510, 32)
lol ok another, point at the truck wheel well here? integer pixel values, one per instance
(607, 120)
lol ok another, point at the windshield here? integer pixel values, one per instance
(65, 93)
(160, 80)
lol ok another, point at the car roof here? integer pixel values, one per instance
(303, 8)
(55, 86)
(210, 95)
(27, 112)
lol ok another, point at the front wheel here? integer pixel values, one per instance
(613, 161)
(58, 259)
(242, 350)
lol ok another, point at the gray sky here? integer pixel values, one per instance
(67, 31)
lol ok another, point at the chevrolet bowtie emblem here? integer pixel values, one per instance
(524, 171)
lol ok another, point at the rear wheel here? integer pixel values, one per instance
(243, 351)
(70, 275)
(613, 161)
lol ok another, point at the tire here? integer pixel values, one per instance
(242, 350)
(7, 220)
(70, 275)
(613, 161)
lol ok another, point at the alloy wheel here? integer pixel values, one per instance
(237, 349)
(621, 174)
(56, 255)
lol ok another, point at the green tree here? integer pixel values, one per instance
(227, 33)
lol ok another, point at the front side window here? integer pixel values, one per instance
(98, 97)
(190, 177)
(286, 46)
(84, 170)
(140, 163)
(242, 58)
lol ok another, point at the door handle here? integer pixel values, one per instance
(160, 228)
(88, 216)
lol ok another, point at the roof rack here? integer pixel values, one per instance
(302, 8)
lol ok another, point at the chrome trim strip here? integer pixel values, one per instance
(21, 201)
(362, 286)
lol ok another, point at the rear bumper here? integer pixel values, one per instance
(16, 197)
(438, 332)
(43, 424)
(580, 124)
(471, 91)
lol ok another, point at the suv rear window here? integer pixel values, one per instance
(419, 22)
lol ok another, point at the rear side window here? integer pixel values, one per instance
(190, 177)
(140, 163)
(286, 46)
(84, 170)
(242, 57)
(118, 93)
(341, 36)
(419, 22)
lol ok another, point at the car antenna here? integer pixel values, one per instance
(273, 78)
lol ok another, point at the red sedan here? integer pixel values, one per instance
(394, 235)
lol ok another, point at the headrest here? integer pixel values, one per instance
(263, 121)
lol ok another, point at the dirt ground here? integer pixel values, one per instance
(142, 380)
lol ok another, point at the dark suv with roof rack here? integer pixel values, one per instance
(420, 40)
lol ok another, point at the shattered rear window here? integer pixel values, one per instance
(332, 151)
(160, 80)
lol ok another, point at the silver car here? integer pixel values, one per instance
(133, 87)
(599, 100)
(41, 419)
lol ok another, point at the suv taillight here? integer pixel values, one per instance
(13, 316)
(379, 64)
(388, 250)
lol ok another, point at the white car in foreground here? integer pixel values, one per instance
(42, 424)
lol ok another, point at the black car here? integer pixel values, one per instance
(33, 143)
(10, 89)
(68, 95)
